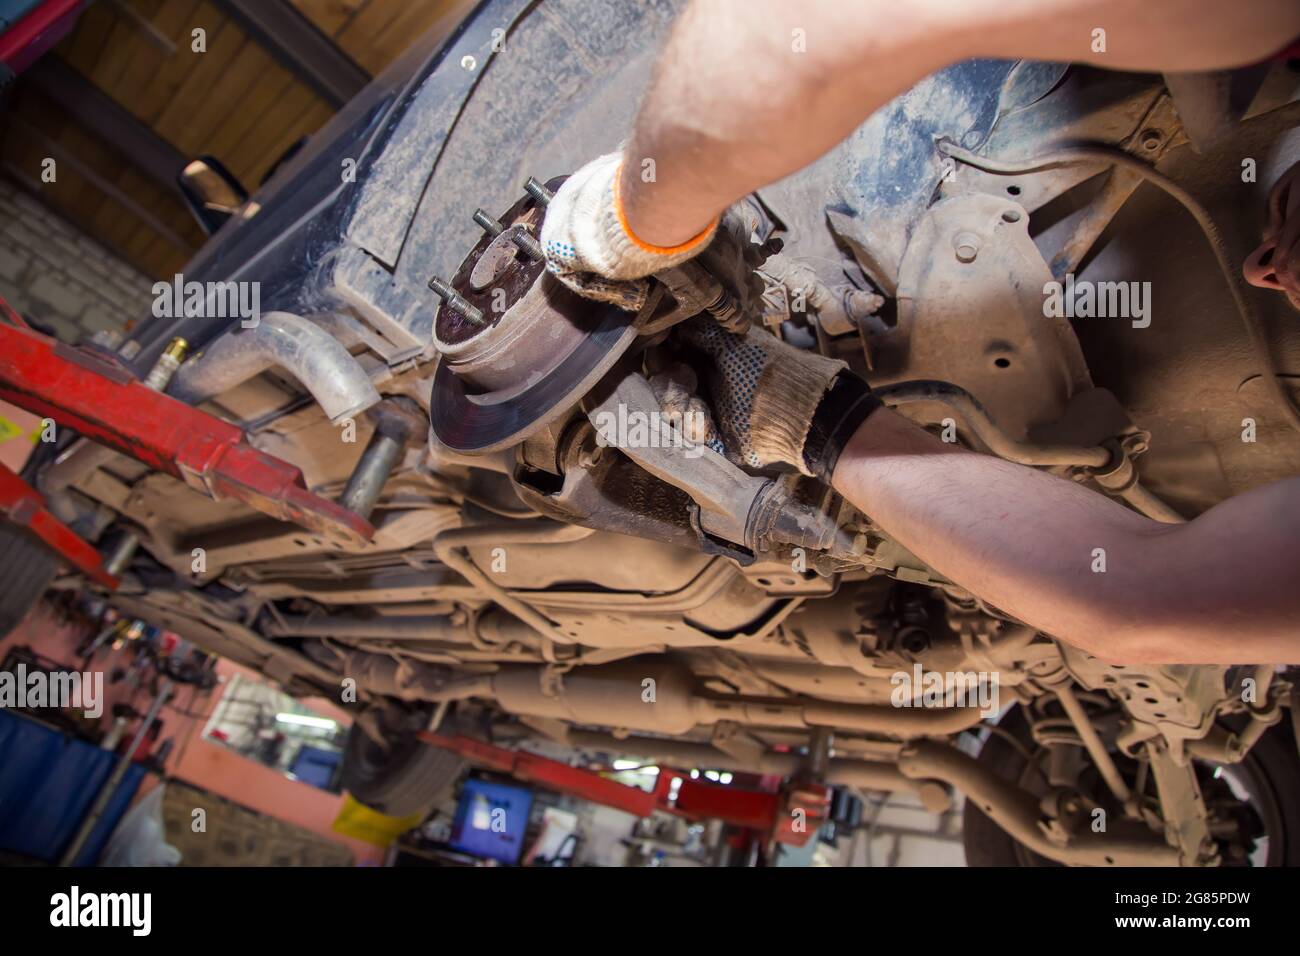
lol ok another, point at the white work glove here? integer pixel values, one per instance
(588, 245)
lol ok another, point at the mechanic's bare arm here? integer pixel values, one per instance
(1222, 589)
(739, 99)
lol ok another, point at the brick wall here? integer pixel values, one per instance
(58, 278)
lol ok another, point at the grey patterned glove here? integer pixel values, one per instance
(764, 391)
(775, 403)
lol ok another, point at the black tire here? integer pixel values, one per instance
(1274, 765)
(26, 569)
(401, 781)
(1272, 768)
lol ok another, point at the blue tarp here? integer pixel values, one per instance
(47, 783)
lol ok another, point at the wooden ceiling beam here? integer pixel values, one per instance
(300, 47)
(96, 112)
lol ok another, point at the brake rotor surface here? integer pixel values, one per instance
(518, 347)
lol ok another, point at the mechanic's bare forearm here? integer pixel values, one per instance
(1218, 590)
(749, 91)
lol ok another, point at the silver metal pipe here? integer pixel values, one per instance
(120, 558)
(397, 420)
(371, 474)
(283, 340)
(987, 430)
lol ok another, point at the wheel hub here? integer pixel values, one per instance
(518, 348)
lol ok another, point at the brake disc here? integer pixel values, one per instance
(518, 348)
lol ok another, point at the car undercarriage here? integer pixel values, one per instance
(564, 552)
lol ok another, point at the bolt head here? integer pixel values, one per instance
(966, 245)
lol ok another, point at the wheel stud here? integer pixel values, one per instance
(488, 224)
(455, 301)
(538, 191)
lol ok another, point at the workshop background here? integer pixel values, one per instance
(104, 103)
(133, 91)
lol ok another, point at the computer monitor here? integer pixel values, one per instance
(490, 820)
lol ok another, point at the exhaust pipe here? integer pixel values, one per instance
(657, 696)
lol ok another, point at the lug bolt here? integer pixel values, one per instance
(455, 301)
(538, 191)
(488, 224)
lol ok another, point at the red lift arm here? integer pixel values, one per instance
(81, 390)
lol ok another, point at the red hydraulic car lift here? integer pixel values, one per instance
(101, 400)
(790, 817)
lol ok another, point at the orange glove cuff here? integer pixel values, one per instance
(699, 239)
